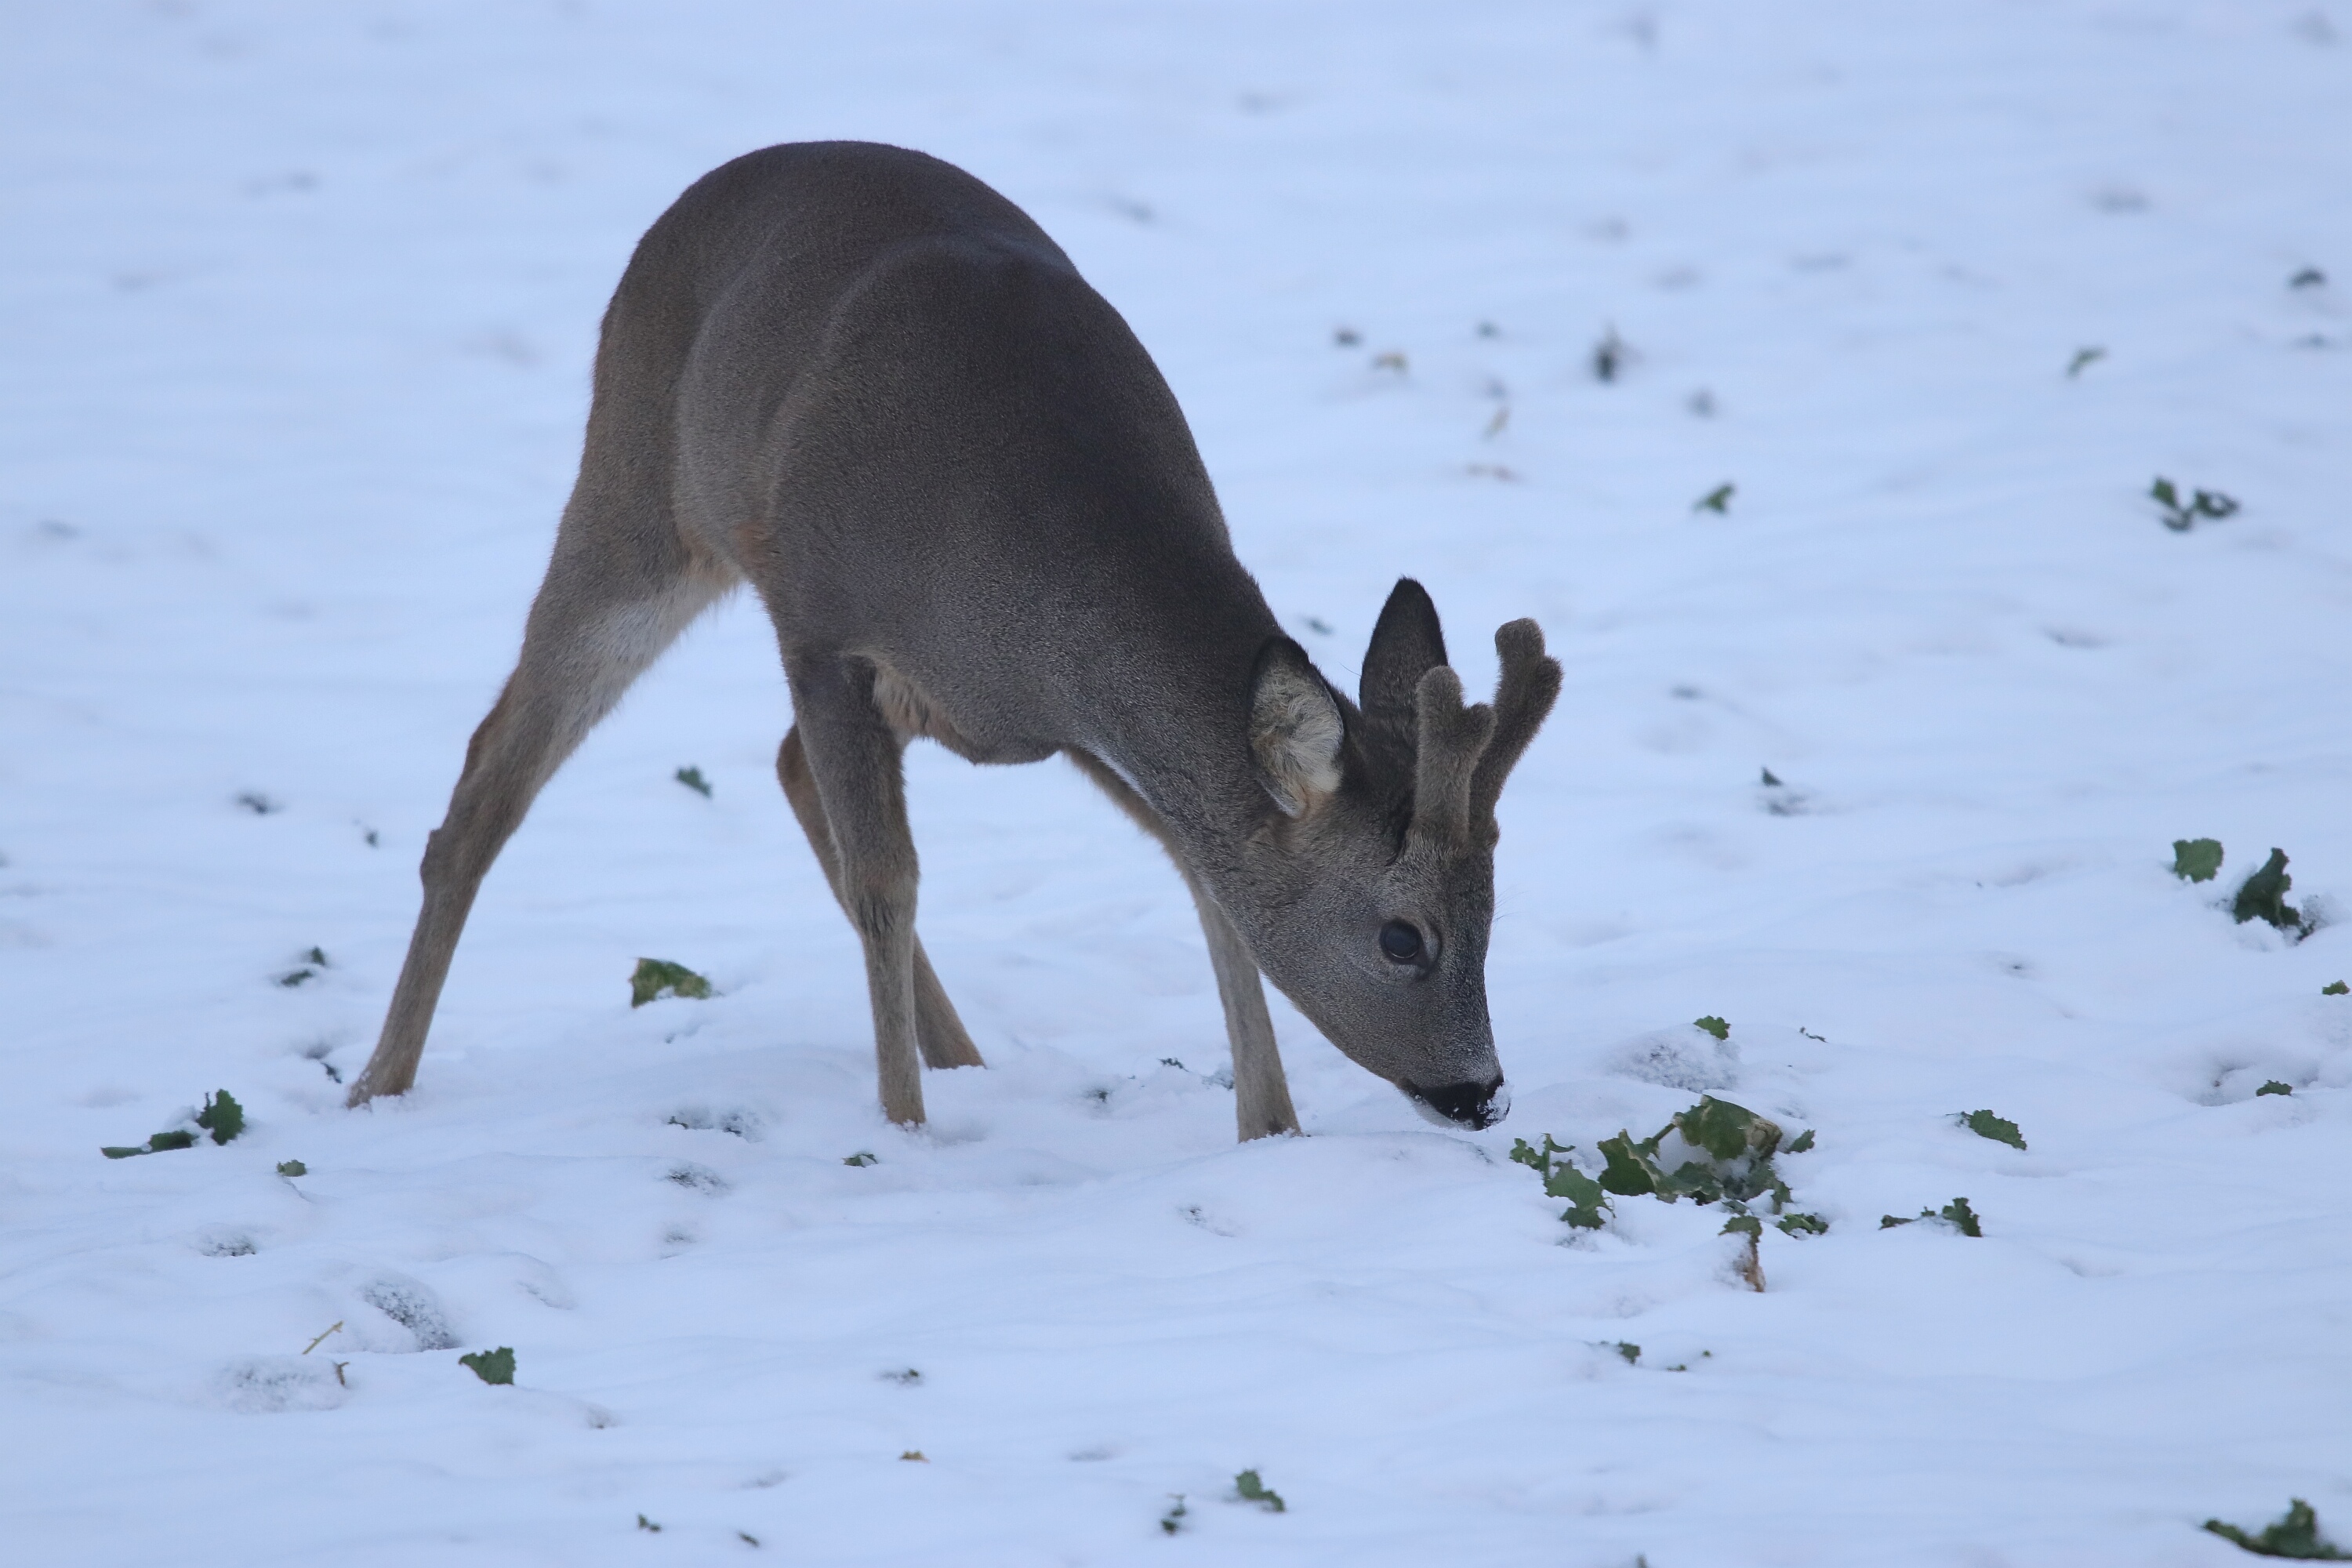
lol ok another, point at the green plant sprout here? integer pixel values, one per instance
(1249, 1489)
(2181, 515)
(2296, 1535)
(2196, 859)
(652, 976)
(1985, 1124)
(1955, 1214)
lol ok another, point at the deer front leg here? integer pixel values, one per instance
(1261, 1092)
(853, 757)
(941, 1033)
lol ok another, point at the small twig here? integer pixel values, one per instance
(314, 1344)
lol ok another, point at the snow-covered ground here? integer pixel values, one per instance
(295, 309)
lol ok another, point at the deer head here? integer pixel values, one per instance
(1371, 886)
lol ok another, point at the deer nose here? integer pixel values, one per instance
(1471, 1105)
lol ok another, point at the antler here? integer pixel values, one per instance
(1450, 739)
(1523, 698)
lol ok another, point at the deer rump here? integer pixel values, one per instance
(863, 382)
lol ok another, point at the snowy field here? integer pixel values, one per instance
(296, 304)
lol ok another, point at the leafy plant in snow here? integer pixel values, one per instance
(1249, 1489)
(2334, 988)
(1985, 1124)
(2263, 896)
(292, 1168)
(2181, 515)
(652, 976)
(311, 964)
(1955, 1214)
(222, 1117)
(1714, 1026)
(2296, 1535)
(2273, 1087)
(691, 777)
(1716, 501)
(1585, 1198)
(1174, 1519)
(2084, 359)
(494, 1366)
(2196, 859)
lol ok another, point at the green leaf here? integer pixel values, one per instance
(2212, 504)
(1716, 501)
(692, 779)
(643, 1522)
(2263, 896)
(2083, 358)
(292, 1168)
(1802, 1225)
(2196, 859)
(1629, 1172)
(492, 1366)
(1959, 1213)
(222, 1117)
(1630, 1351)
(1804, 1143)
(2273, 1087)
(656, 975)
(1725, 1130)
(1538, 1160)
(861, 1158)
(2165, 495)
(178, 1138)
(2297, 1535)
(2334, 988)
(123, 1151)
(1746, 1224)
(1889, 1221)
(1985, 1124)
(1252, 1490)
(1714, 1026)
(1586, 1198)
(1769, 779)
(1174, 1519)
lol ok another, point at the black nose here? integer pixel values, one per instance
(1471, 1105)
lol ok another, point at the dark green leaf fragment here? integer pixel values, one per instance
(1252, 1490)
(1804, 1143)
(1538, 1160)
(1714, 1026)
(2083, 358)
(2273, 1087)
(861, 1158)
(292, 1168)
(222, 1117)
(2334, 988)
(1747, 1225)
(2263, 896)
(1985, 1124)
(1630, 1351)
(2196, 859)
(1629, 1172)
(1802, 1225)
(1725, 1130)
(691, 777)
(1174, 1519)
(1586, 1200)
(123, 1151)
(1769, 779)
(494, 1366)
(2296, 1536)
(643, 1522)
(1716, 501)
(1959, 1213)
(656, 975)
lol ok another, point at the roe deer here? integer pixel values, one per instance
(868, 384)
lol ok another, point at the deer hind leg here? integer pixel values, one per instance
(853, 757)
(937, 1030)
(1261, 1093)
(588, 638)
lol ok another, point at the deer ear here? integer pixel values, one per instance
(1296, 728)
(1406, 645)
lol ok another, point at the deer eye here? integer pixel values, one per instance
(1401, 943)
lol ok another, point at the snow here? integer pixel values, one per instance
(295, 318)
